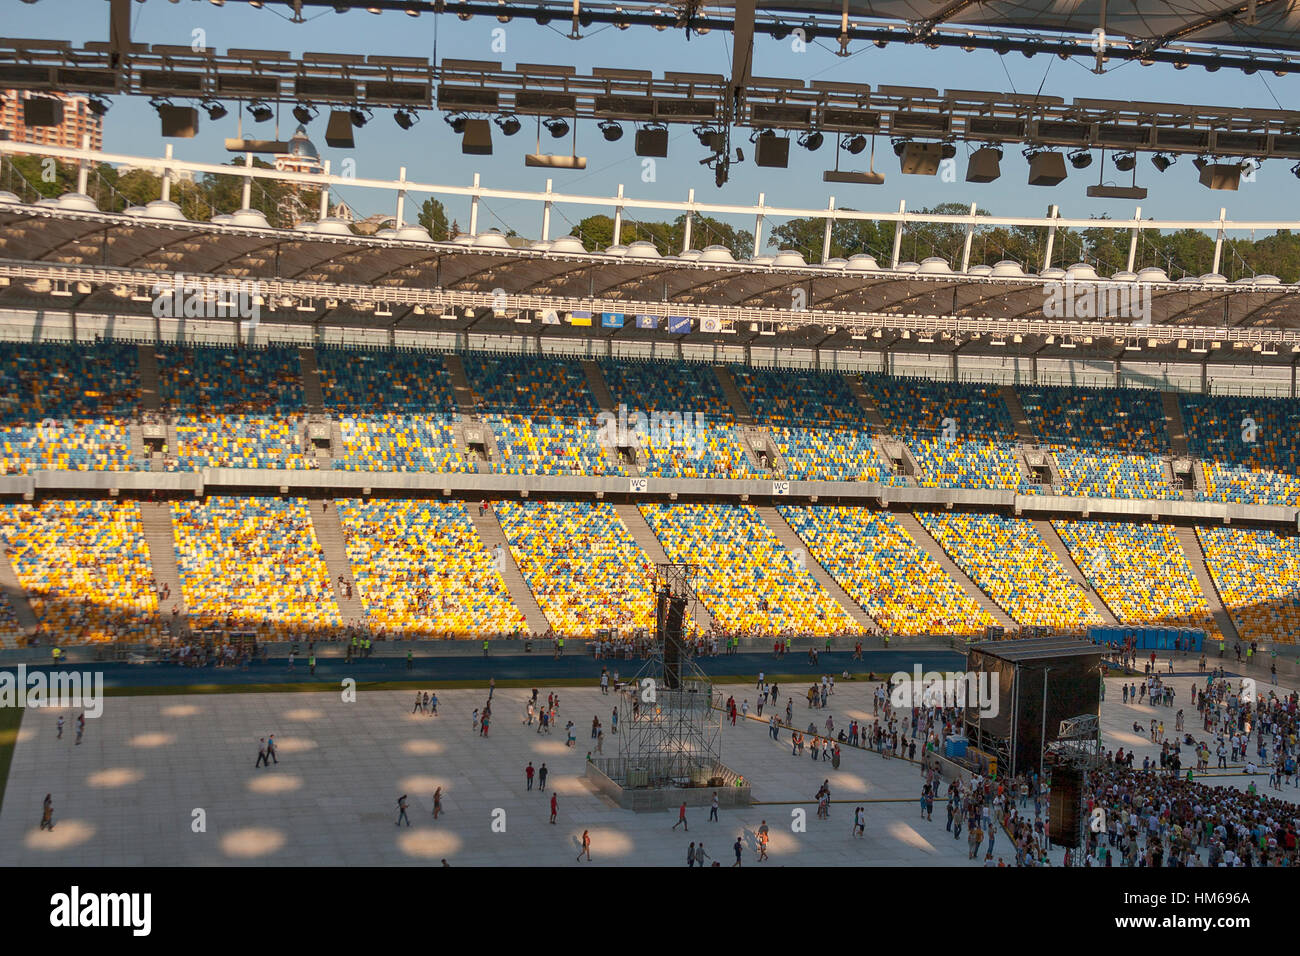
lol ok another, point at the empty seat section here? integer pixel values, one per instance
(234, 408)
(422, 571)
(817, 424)
(687, 429)
(395, 411)
(1140, 571)
(86, 569)
(1011, 562)
(1258, 577)
(749, 582)
(873, 558)
(253, 564)
(582, 565)
(67, 407)
(541, 411)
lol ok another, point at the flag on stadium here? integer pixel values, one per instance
(679, 323)
(611, 320)
(647, 321)
(550, 317)
(580, 318)
(710, 324)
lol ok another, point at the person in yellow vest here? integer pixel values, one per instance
(57, 652)
(485, 647)
(1222, 645)
(560, 646)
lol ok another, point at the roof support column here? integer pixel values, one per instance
(826, 236)
(898, 236)
(965, 248)
(1218, 240)
(690, 221)
(1052, 212)
(473, 209)
(546, 213)
(1133, 239)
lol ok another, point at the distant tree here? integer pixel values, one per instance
(433, 217)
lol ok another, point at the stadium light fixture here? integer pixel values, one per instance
(214, 110)
(610, 129)
(1081, 159)
(97, 105)
(811, 140)
(405, 118)
(857, 143)
(260, 111)
(509, 125)
(1162, 162)
(1125, 162)
(557, 126)
(304, 113)
(360, 116)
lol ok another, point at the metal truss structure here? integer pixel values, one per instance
(669, 731)
(710, 102)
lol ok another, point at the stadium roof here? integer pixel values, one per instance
(1269, 24)
(52, 232)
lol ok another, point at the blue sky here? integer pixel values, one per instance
(431, 151)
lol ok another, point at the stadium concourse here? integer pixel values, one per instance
(326, 560)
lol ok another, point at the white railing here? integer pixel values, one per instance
(167, 165)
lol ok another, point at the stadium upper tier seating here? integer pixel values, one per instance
(421, 570)
(1251, 447)
(961, 434)
(1140, 571)
(690, 430)
(1010, 561)
(86, 569)
(236, 408)
(67, 407)
(817, 424)
(395, 411)
(253, 564)
(747, 580)
(1258, 577)
(542, 414)
(582, 565)
(1107, 442)
(875, 560)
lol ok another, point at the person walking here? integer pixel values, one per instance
(401, 811)
(541, 777)
(586, 846)
(681, 818)
(437, 802)
(528, 773)
(738, 847)
(713, 809)
(60, 737)
(261, 755)
(690, 855)
(47, 813)
(270, 749)
(555, 807)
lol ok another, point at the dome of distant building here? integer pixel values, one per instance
(303, 157)
(300, 145)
